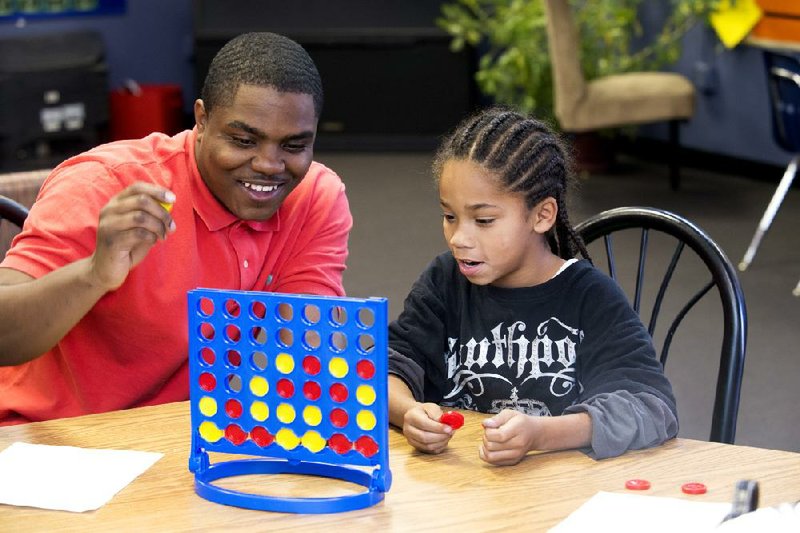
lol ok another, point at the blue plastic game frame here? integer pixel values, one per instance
(252, 356)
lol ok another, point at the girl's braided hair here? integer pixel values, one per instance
(527, 158)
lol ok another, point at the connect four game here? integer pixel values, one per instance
(298, 384)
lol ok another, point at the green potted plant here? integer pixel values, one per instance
(511, 38)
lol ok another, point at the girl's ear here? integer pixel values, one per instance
(543, 215)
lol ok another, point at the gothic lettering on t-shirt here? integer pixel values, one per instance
(510, 369)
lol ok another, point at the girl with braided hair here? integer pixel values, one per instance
(510, 322)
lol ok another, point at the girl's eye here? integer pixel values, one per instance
(484, 221)
(448, 217)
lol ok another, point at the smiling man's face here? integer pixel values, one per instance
(254, 152)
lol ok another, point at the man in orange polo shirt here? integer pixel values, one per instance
(93, 291)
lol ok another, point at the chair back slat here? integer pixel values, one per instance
(662, 289)
(679, 318)
(637, 298)
(612, 270)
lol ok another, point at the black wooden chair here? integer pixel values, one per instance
(13, 212)
(682, 254)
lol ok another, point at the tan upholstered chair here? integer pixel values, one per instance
(615, 100)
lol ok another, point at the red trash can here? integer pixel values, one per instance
(138, 110)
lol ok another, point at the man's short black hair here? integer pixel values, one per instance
(265, 60)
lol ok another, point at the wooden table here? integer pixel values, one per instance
(454, 491)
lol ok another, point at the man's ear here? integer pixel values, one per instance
(200, 116)
(543, 215)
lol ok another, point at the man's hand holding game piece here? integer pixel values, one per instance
(130, 224)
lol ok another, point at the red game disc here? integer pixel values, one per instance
(453, 419)
(637, 484)
(693, 488)
(366, 446)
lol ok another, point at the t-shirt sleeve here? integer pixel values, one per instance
(318, 263)
(409, 371)
(624, 389)
(624, 421)
(416, 338)
(62, 224)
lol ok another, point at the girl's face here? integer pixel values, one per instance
(493, 236)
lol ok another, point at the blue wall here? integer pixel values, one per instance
(732, 114)
(152, 43)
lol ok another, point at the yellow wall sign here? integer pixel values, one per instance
(734, 19)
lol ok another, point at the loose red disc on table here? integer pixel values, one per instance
(693, 488)
(637, 484)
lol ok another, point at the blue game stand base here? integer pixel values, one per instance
(207, 490)
(299, 384)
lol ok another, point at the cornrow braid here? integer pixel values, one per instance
(567, 234)
(527, 157)
(488, 138)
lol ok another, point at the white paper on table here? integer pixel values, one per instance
(67, 478)
(635, 513)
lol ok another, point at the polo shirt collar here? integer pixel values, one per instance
(213, 214)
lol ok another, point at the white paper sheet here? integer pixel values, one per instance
(67, 478)
(634, 513)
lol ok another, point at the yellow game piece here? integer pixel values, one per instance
(338, 367)
(366, 420)
(259, 411)
(365, 395)
(286, 439)
(313, 441)
(312, 415)
(207, 406)
(166, 206)
(284, 363)
(259, 386)
(210, 432)
(286, 413)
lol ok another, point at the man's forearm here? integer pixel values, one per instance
(37, 313)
